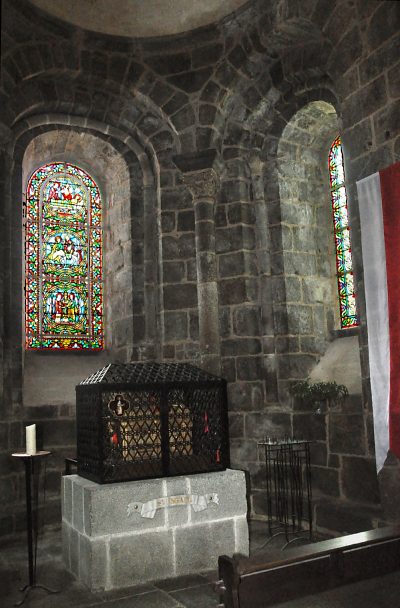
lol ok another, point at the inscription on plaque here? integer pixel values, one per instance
(198, 502)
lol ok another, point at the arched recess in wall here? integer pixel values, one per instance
(304, 240)
(109, 170)
(128, 189)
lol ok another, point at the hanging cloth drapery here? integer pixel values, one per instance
(379, 203)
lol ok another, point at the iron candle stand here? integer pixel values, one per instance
(29, 463)
(288, 481)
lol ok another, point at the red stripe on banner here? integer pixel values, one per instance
(390, 190)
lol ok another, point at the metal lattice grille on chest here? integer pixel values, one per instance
(144, 420)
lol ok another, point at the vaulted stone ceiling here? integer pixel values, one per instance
(140, 18)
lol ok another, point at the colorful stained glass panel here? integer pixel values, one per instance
(344, 263)
(63, 261)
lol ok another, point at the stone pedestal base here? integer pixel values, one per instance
(124, 534)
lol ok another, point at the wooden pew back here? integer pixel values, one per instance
(257, 583)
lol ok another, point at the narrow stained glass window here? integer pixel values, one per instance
(63, 260)
(344, 264)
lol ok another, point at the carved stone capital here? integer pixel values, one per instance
(202, 184)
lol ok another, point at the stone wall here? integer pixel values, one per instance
(217, 276)
(344, 476)
(55, 432)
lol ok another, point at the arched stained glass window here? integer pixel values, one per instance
(344, 263)
(63, 260)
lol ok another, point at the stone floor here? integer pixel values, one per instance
(195, 591)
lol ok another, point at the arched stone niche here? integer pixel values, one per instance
(50, 378)
(305, 241)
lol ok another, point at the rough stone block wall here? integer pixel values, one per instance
(55, 432)
(11, 479)
(179, 276)
(345, 487)
(343, 471)
(234, 87)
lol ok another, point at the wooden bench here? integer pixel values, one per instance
(256, 583)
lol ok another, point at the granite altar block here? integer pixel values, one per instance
(132, 532)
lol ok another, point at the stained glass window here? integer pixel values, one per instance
(63, 260)
(344, 264)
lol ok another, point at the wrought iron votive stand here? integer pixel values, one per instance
(289, 494)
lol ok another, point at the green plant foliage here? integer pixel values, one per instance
(318, 391)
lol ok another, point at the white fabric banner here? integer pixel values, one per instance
(375, 281)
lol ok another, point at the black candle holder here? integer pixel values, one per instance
(29, 461)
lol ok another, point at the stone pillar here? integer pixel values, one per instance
(11, 429)
(202, 180)
(257, 169)
(151, 346)
(10, 280)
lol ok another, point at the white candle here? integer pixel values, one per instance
(31, 439)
